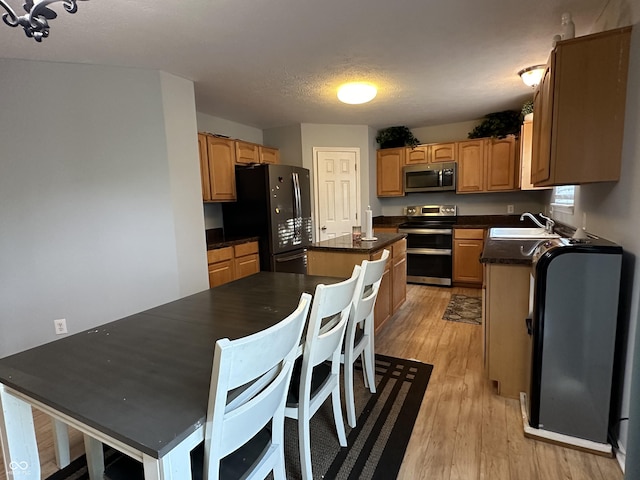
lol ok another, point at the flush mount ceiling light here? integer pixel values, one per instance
(531, 76)
(35, 21)
(356, 92)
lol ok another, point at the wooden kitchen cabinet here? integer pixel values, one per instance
(526, 141)
(217, 168)
(467, 249)
(431, 153)
(487, 165)
(471, 166)
(247, 152)
(247, 260)
(507, 345)
(579, 110)
(220, 265)
(399, 276)
(268, 154)
(231, 263)
(389, 165)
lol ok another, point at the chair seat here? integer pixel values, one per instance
(321, 373)
(233, 466)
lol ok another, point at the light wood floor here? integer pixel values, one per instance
(464, 431)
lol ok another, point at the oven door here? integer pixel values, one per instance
(429, 258)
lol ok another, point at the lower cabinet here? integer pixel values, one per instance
(507, 346)
(467, 249)
(231, 263)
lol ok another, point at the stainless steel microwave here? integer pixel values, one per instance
(429, 177)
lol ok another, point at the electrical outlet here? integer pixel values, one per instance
(509, 208)
(60, 326)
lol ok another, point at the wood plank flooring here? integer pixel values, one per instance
(464, 430)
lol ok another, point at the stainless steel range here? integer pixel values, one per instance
(429, 230)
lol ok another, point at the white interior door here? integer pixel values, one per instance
(337, 186)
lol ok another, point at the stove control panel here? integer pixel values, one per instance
(431, 211)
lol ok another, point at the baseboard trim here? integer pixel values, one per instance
(603, 449)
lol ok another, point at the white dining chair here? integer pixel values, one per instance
(359, 336)
(319, 367)
(244, 429)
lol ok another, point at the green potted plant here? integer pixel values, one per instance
(498, 125)
(392, 137)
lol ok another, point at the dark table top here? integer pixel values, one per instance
(144, 379)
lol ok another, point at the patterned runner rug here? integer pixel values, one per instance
(375, 448)
(463, 308)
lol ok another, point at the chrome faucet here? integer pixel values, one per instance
(548, 223)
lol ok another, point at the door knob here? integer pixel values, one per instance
(323, 228)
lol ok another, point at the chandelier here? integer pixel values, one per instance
(36, 21)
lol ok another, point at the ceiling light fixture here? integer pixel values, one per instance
(35, 21)
(356, 92)
(531, 76)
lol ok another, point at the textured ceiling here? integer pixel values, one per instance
(279, 62)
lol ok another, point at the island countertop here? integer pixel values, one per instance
(344, 243)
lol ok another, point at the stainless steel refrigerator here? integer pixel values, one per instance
(274, 204)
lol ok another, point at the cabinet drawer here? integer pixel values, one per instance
(246, 249)
(469, 233)
(219, 254)
(220, 273)
(247, 265)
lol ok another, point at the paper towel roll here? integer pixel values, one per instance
(368, 224)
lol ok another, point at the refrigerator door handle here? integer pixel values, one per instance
(297, 207)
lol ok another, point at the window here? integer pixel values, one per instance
(563, 198)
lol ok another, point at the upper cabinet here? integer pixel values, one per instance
(247, 152)
(217, 168)
(526, 137)
(389, 165)
(435, 152)
(487, 165)
(579, 110)
(268, 154)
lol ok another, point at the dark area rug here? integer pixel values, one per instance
(375, 448)
(463, 308)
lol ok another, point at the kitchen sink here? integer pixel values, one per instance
(518, 233)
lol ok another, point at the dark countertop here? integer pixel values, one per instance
(345, 243)
(217, 239)
(463, 221)
(510, 252)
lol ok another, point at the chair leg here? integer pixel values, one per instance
(304, 445)
(337, 415)
(368, 368)
(348, 393)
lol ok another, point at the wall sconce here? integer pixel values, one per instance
(531, 76)
(357, 92)
(35, 21)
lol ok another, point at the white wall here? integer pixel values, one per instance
(611, 211)
(289, 141)
(315, 135)
(89, 224)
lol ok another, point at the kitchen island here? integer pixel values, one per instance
(337, 256)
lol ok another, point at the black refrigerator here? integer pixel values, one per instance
(274, 204)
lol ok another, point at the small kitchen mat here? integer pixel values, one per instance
(376, 447)
(463, 308)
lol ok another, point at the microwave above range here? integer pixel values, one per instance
(429, 177)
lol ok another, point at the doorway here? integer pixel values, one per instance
(337, 187)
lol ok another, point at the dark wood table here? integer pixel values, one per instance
(139, 384)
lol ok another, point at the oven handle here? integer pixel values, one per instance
(426, 231)
(429, 251)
